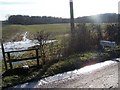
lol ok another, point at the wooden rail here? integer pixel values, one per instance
(10, 60)
(22, 59)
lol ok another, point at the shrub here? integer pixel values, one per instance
(85, 38)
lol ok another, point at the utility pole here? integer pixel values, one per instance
(72, 45)
(71, 17)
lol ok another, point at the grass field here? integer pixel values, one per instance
(15, 31)
(11, 30)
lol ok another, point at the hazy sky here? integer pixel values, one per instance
(58, 8)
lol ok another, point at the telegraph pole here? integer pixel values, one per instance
(72, 45)
(71, 16)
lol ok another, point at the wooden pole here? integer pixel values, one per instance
(3, 52)
(72, 45)
(37, 56)
(11, 67)
(71, 17)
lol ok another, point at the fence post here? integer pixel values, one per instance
(9, 60)
(37, 56)
(3, 52)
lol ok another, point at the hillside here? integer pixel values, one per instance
(100, 18)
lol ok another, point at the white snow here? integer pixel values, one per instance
(66, 75)
(21, 45)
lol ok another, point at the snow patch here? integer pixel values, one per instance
(66, 75)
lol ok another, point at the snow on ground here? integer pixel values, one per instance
(67, 75)
(21, 45)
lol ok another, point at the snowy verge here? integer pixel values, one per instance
(67, 75)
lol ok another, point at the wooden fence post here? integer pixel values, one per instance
(3, 52)
(37, 56)
(9, 60)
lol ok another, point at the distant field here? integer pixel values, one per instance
(11, 30)
(14, 31)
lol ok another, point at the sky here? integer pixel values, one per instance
(57, 8)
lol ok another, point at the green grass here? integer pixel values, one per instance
(62, 65)
(67, 64)
(56, 29)
(72, 62)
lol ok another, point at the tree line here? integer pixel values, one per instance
(29, 20)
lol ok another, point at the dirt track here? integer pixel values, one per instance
(106, 77)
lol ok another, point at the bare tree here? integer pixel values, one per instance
(42, 38)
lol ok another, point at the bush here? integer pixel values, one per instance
(72, 62)
(112, 33)
(84, 38)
